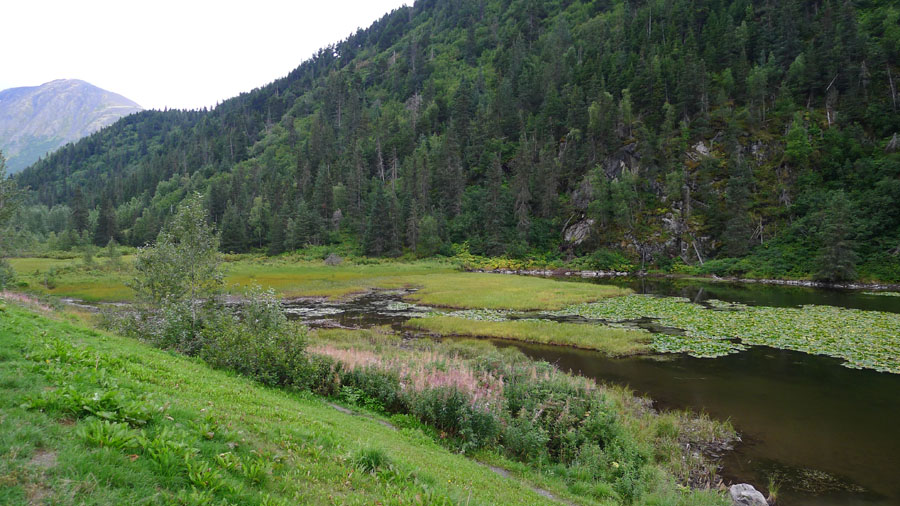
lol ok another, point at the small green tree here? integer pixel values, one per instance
(10, 197)
(179, 278)
(113, 254)
(87, 254)
(184, 264)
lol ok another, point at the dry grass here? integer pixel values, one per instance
(421, 370)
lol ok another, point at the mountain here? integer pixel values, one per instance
(36, 120)
(726, 136)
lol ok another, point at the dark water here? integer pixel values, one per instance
(758, 294)
(824, 431)
(829, 435)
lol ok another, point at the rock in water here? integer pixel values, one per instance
(743, 494)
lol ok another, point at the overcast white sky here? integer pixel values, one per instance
(171, 53)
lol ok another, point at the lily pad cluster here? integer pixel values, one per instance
(864, 339)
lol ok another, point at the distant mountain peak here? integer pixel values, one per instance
(36, 120)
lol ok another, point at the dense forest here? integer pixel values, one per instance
(745, 135)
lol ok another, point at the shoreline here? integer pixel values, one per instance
(587, 274)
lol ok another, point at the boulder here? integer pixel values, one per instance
(743, 494)
(701, 149)
(333, 259)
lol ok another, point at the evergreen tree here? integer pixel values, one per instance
(738, 228)
(234, 234)
(79, 211)
(837, 258)
(493, 210)
(429, 242)
(277, 234)
(106, 224)
(382, 237)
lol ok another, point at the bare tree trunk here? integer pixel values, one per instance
(893, 89)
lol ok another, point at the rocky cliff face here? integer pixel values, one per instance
(35, 120)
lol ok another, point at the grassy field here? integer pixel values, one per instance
(612, 341)
(439, 283)
(92, 418)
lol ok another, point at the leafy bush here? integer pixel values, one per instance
(606, 260)
(258, 341)
(7, 275)
(524, 439)
(376, 389)
(450, 410)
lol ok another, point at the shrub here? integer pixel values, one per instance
(7, 275)
(377, 389)
(450, 410)
(259, 342)
(607, 260)
(524, 439)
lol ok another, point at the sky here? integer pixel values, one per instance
(184, 54)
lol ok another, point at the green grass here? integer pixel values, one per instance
(304, 278)
(501, 291)
(611, 341)
(71, 278)
(158, 428)
(439, 283)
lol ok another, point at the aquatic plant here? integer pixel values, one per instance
(864, 339)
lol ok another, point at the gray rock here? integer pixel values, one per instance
(743, 494)
(579, 231)
(893, 146)
(701, 149)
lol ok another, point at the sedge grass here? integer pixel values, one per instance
(438, 283)
(615, 342)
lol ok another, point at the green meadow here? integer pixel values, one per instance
(438, 283)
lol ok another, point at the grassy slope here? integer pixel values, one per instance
(439, 282)
(611, 341)
(43, 458)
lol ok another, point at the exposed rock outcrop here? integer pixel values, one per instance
(744, 494)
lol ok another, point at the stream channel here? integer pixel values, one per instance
(827, 434)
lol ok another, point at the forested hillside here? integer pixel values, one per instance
(649, 133)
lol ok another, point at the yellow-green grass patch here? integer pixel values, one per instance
(501, 291)
(438, 283)
(611, 341)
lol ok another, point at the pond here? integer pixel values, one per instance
(827, 434)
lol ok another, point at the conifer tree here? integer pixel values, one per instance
(233, 234)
